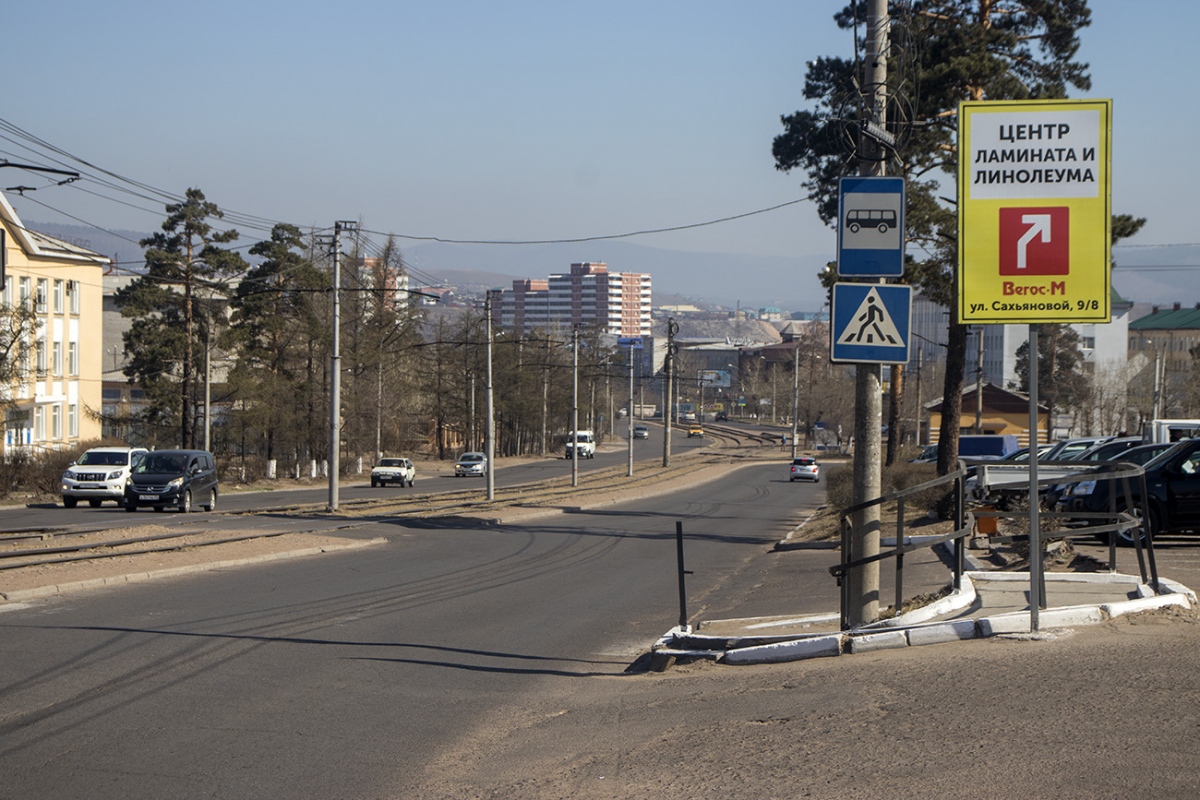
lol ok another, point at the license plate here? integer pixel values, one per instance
(88, 486)
(147, 497)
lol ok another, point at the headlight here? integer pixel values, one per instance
(116, 473)
(67, 476)
(1084, 487)
(175, 484)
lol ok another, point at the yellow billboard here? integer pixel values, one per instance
(1034, 211)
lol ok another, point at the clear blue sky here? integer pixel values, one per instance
(515, 120)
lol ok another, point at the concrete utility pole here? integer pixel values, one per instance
(490, 430)
(575, 407)
(863, 586)
(668, 367)
(630, 472)
(795, 397)
(335, 367)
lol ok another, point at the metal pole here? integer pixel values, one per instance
(208, 377)
(630, 472)
(575, 408)
(683, 615)
(490, 430)
(1035, 544)
(668, 410)
(979, 381)
(795, 398)
(335, 373)
(868, 406)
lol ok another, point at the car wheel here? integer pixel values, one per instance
(411, 481)
(185, 501)
(212, 500)
(1153, 525)
(94, 502)
(131, 507)
(69, 502)
(374, 483)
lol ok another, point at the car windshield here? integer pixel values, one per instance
(161, 463)
(391, 462)
(471, 457)
(93, 459)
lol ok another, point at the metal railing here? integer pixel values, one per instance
(964, 523)
(1127, 511)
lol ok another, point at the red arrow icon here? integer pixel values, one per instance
(1035, 241)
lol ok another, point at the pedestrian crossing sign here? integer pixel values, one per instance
(870, 323)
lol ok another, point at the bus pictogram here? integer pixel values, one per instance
(881, 219)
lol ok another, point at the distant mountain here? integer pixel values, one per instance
(1158, 275)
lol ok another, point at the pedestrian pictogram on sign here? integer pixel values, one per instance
(871, 322)
(1035, 241)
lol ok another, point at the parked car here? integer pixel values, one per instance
(641, 432)
(805, 468)
(721, 417)
(1068, 449)
(164, 478)
(471, 464)
(1172, 487)
(695, 430)
(393, 470)
(100, 474)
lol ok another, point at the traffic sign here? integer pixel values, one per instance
(871, 227)
(1034, 211)
(870, 323)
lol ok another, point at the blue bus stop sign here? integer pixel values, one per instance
(871, 227)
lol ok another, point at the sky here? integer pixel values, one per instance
(520, 120)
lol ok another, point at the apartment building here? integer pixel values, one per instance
(54, 361)
(589, 296)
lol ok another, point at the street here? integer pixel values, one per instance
(347, 675)
(494, 661)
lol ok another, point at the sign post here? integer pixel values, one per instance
(1034, 211)
(1034, 235)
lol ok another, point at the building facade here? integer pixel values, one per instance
(54, 398)
(616, 303)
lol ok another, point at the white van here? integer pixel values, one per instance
(100, 474)
(585, 441)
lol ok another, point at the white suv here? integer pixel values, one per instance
(100, 474)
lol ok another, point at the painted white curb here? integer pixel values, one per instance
(887, 640)
(786, 651)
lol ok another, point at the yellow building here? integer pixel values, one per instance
(53, 401)
(1001, 412)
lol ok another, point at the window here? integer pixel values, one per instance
(40, 300)
(58, 296)
(72, 421)
(56, 357)
(73, 296)
(39, 423)
(56, 421)
(23, 293)
(41, 356)
(73, 358)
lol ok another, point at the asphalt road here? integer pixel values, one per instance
(440, 478)
(349, 675)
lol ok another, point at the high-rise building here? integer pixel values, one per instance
(617, 303)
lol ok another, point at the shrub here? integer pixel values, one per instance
(839, 486)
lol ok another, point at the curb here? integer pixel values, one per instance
(169, 572)
(914, 628)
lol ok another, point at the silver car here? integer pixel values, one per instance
(471, 464)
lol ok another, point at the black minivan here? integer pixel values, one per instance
(173, 478)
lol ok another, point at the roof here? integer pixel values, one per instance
(995, 399)
(37, 244)
(1175, 319)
